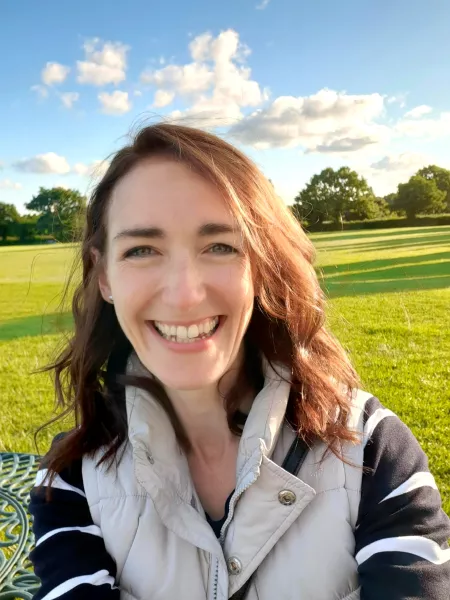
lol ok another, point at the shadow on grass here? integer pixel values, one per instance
(35, 325)
(435, 240)
(338, 289)
(404, 261)
(417, 232)
(36, 247)
(399, 274)
(442, 239)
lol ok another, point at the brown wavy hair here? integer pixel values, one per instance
(287, 324)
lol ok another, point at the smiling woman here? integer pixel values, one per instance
(187, 267)
(220, 430)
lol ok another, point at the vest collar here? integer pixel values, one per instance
(162, 470)
(150, 427)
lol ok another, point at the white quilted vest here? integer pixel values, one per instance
(154, 526)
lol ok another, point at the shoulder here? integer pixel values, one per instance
(68, 479)
(401, 532)
(391, 453)
(390, 447)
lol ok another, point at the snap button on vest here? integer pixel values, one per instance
(287, 497)
(234, 565)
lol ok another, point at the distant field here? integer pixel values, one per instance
(389, 305)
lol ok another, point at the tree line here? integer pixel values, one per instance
(332, 195)
(342, 195)
(58, 213)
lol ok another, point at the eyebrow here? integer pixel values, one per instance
(206, 230)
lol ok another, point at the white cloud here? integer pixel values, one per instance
(54, 73)
(137, 93)
(200, 45)
(103, 64)
(43, 163)
(327, 121)
(7, 184)
(95, 169)
(209, 112)
(418, 111)
(69, 98)
(428, 127)
(399, 99)
(217, 81)
(405, 162)
(262, 5)
(40, 90)
(389, 170)
(185, 80)
(163, 98)
(116, 103)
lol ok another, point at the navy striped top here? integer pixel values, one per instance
(401, 534)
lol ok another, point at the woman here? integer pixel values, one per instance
(221, 433)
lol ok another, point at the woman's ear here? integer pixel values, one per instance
(102, 278)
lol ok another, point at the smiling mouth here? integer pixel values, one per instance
(187, 335)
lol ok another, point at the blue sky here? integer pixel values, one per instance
(298, 85)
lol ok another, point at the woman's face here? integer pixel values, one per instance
(176, 268)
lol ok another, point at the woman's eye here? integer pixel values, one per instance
(139, 251)
(222, 249)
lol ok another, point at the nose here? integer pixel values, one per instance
(184, 287)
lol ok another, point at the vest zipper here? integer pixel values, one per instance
(216, 580)
(235, 498)
(233, 501)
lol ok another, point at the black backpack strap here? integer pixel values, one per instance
(292, 463)
(295, 456)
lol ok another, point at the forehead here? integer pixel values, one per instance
(165, 193)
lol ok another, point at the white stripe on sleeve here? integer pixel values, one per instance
(58, 483)
(412, 544)
(100, 578)
(420, 479)
(91, 529)
(373, 420)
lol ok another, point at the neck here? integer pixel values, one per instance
(204, 419)
(203, 416)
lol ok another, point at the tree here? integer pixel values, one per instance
(59, 211)
(420, 195)
(27, 227)
(340, 195)
(383, 207)
(441, 177)
(8, 217)
(391, 199)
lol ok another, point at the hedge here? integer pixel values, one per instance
(386, 223)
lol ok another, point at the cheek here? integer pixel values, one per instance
(236, 284)
(132, 290)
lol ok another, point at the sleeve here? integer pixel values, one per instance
(402, 532)
(69, 555)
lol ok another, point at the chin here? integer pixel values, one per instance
(187, 379)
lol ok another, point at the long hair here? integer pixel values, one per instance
(287, 324)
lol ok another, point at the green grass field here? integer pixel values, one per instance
(389, 305)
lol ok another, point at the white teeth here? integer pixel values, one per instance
(192, 331)
(181, 332)
(185, 335)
